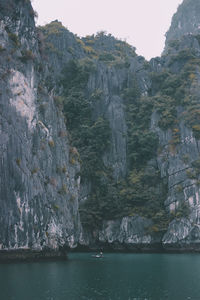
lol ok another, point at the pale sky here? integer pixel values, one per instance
(142, 23)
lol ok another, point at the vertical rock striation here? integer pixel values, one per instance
(42, 179)
(38, 185)
(185, 21)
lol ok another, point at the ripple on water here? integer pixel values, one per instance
(116, 277)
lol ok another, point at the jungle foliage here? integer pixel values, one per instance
(142, 191)
(108, 198)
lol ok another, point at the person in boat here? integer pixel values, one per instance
(99, 255)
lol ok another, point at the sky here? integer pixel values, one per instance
(142, 23)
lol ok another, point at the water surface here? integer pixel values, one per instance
(114, 277)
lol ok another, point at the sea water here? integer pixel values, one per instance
(113, 277)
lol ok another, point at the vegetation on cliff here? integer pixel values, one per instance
(139, 192)
(142, 191)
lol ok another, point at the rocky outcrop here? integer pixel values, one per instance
(178, 163)
(178, 159)
(126, 234)
(38, 184)
(110, 81)
(182, 235)
(186, 21)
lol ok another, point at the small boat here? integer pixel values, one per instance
(98, 255)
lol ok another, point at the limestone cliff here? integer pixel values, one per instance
(38, 185)
(171, 83)
(98, 146)
(185, 21)
(179, 154)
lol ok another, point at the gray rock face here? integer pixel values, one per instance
(177, 163)
(128, 233)
(111, 106)
(182, 235)
(174, 164)
(129, 230)
(58, 46)
(39, 182)
(186, 21)
(38, 185)
(110, 81)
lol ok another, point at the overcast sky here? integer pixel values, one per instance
(142, 23)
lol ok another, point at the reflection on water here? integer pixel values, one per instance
(116, 276)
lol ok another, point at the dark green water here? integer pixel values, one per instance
(116, 276)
